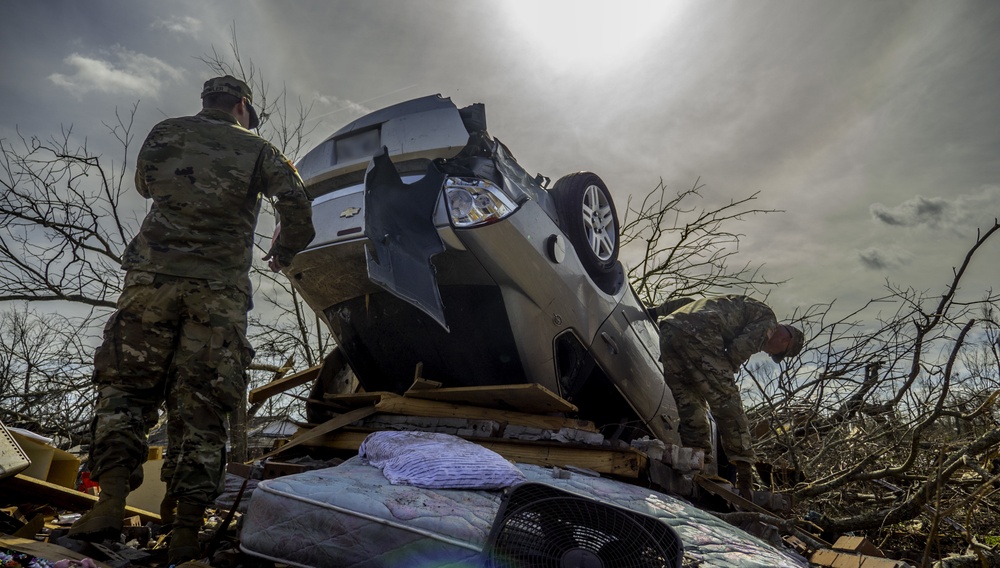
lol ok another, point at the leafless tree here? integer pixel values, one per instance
(685, 248)
(892, 422)
(889, 415)
(44, 349)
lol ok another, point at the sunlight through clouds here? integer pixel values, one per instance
(584, 35)
(123, 71)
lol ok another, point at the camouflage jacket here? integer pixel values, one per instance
(205, 175)
(734, 326)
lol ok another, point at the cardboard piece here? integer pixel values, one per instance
(48, 463)
(857, 544)
(149, 495)
(13, 460)
(834, 559)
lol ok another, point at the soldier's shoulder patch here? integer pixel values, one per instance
(291, 165)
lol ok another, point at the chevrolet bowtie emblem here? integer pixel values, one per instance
(350, 212)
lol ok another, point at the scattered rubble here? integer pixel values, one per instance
(36, 511)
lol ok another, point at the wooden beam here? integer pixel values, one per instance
(421, 407)
(329, 426)
(532, 398)
(625, 463)
(357, 399)
(24, 488)
(281, 384)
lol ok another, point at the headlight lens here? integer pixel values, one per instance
(473, 202)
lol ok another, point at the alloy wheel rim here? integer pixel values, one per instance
(598, 222)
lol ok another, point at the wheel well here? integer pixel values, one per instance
(584, 383)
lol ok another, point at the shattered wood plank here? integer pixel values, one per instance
(358, 399)
(423, 385)
(34, 490)
(324, 428)
(625, 463)
(422, 407)
(281, 384)
(531, 398)
(420, 383)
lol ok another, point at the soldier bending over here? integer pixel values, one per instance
(702, 345)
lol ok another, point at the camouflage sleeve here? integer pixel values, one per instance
(671, 305)
(751, 338)
(141, 166)
(283, 184)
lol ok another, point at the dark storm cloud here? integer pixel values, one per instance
(882, 259)
(933, 212)
(959, 214)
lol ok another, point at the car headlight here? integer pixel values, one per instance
(473, 202)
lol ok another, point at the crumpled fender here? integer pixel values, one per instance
(399, 224)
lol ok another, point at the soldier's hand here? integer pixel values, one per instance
(273, 263)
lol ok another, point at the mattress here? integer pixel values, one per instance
(351, 516)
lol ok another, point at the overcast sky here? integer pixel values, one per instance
(875, 126)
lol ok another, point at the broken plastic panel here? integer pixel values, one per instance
(402, 237)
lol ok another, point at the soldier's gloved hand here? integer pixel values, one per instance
(273, 263)
(278, 257)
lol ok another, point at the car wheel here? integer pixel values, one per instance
(587, 215)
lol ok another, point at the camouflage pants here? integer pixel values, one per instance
(700, 381)
(180, 341)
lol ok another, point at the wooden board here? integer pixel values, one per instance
(330, 425)
(421, 407)
(531, 398)
(357, 399)
(28, 489)
(282, 384)
(625, 463)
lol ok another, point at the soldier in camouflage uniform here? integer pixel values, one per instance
(702, 345)
(179, 333)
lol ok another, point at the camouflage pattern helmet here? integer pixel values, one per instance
(232, 86)
(794, 346)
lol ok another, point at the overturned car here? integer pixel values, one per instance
(434, 246)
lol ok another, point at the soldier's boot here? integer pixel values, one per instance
(104, 521)
(744, 479)
(184, 538)
(168, 510)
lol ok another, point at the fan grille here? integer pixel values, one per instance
(541, 526)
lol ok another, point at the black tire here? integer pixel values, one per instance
(588, 217)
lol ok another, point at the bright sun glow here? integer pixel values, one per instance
(590, 34)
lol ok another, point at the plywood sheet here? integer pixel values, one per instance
(531, 398)
(422, 407)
